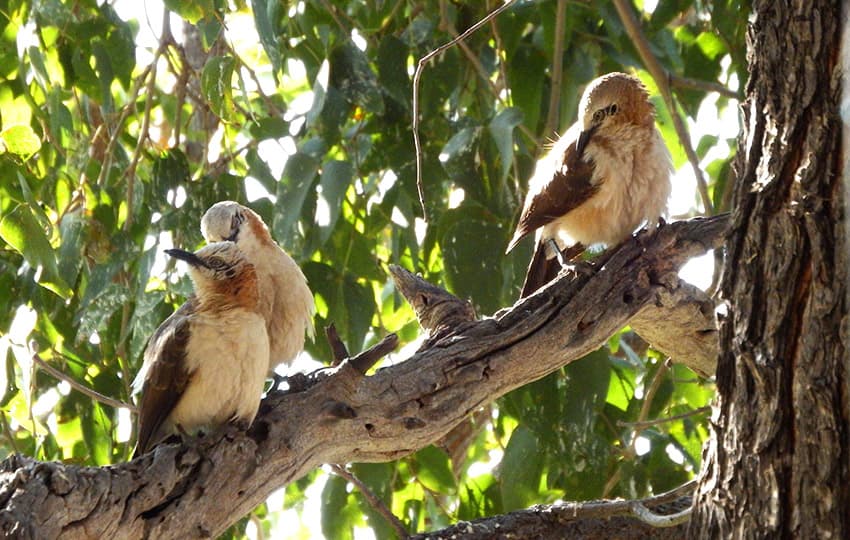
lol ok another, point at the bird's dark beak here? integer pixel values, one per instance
(583, 139)
(233, 236)
(187, 256)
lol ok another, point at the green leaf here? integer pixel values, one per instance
(502, 131)
(20, 230)
(336, 511)
(435, 471)
(352, 75)
(298, 177)
(170, 170)
(359, 304)
(479, 497)
(392, 69)
(265, 12)
(191, 10)
(473, 273)
(20, 140)
(336, 177)
(521, 467)
(216, 84)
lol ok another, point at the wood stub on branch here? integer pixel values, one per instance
(181, 490)
(681, 324)
(437, 310)
(338, 348)
(610, 519)
(368, 358)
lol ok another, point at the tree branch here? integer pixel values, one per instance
(617, 519)
(179, 490)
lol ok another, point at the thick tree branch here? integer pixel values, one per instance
(199, 488)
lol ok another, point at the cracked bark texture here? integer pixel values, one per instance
(778, 462)
(199, 488)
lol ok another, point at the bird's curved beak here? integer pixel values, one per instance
(187, 256)
(583, 139)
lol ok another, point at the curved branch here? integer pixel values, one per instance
(179, 491)
(646, 518)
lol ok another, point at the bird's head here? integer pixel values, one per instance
(610, 102)
(229, 220)
(220, 269)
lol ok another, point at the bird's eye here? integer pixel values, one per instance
(598, 116)
(612, 109)
(236, 221)
(216, 263)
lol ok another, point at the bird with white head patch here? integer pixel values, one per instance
(605, 176)
(206, 364)
(286, 301)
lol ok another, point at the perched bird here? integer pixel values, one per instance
(206, 364)
(286, 301)
(605, 176)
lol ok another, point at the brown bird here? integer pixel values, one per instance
(206, 364)
(286, 301)
(607, 174)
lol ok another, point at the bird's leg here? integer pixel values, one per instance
(558, 254)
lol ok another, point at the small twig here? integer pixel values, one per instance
(642, 513)
(338, 348)
(629, 452)
(662, 79)
(650, 423)
(97, 396)
(553, 116)
(366, 359)
(7, 431)
(678, 81)
(372, 499)
(420, 66)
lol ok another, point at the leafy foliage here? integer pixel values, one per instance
(113, 141)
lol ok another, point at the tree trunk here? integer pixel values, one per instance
(778, 462)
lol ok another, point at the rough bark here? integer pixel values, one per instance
(199, 488)
(778, 462)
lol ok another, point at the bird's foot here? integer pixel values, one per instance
(276, 380)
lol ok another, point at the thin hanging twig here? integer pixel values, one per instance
(662, 79)
(372, 499)
(553, 116)
(649, 423)
(97, 396)
(420, 66)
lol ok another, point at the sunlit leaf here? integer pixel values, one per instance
(216, 84)
(435, 470)
(520, 470)
(20, 140)
(20, 230)
(502, 130)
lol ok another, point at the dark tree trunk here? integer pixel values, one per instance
(778, 463)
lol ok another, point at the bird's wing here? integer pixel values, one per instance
(570, 186)
(166, 377)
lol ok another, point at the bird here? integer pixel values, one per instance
(206, 364)
(605, 176)
(286, 301)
